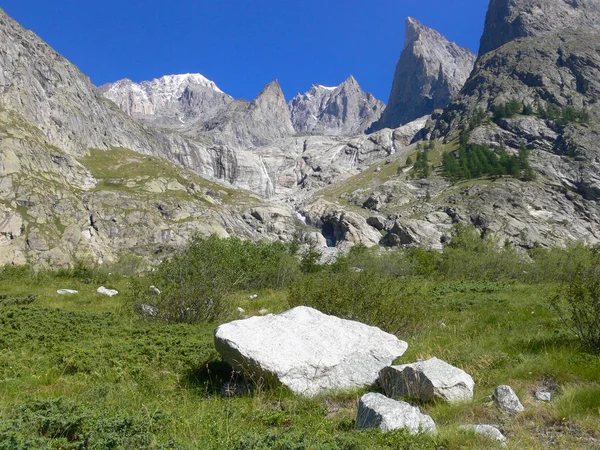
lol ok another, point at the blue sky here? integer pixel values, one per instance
(244, 44)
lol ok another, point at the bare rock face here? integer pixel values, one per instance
(508, 20)
(246, 125)
(430, 72)
(173, 101)
(307, 351)
(345, 110)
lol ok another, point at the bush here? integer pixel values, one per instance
(368, 296)
(508, 110)
(578, 303)
(474, 161)
(195, 283)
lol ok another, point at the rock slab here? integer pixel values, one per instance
(108, 292)
(307, 351)
(428, 380)
(378, 411)
(488, 431)
(507, 400)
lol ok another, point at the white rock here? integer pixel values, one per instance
(67, 292)
(507, 400)
(378, 411)
(155, 290)
(307, 351)
(488, 431)
(263, 311)
(253, 296)
(426, 381)
(103, 291)
(542, 396)
(241, 310)
(148, 310)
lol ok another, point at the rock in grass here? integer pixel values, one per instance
(507, 400)
(307, 351)
(148, 310)
(109, 292)
(542, 396)
(428, 380)
(488, 431)
(378, 411)
(67, 292)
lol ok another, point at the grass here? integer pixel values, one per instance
(86, 368)
(124, 170)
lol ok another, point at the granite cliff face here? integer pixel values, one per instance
(173, 101)
(430, 72)
(344, 110)
(508, 20)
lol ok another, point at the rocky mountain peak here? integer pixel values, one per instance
(508, 20)
(335, 111)
(172, 101)
(430, 72)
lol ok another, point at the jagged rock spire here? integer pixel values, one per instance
(430, 72)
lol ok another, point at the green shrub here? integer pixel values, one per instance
(63, 424)
(474, 161)
(578, 303)
(195, 283)
(368, 296)
(508, 110)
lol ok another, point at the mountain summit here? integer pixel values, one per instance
(430, 72)
(172, 101)
(335, 111)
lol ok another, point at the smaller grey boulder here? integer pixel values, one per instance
(426, 381)
(378, 411)
(507, 400)
(543, 396)
(108, 292)
(67, 292)
(488, 431)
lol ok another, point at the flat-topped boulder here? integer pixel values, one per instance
(307, 351)
(378, 411)
(428, 380)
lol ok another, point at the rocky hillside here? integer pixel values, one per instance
(430, 72)
(508, 20)
(344, 110)
(173, 101)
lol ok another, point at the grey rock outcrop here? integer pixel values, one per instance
(172, 101)
(307, 351)
(344, 110)
(507, 400)
(430, 72)
(378, 411)
(428, 380)
(508, 20)
(244, 124)
(488, 431)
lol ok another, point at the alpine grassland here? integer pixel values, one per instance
(139, 370)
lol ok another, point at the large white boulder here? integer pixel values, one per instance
(108, 292)
(378, 411)
(426, 381)
(307, 351)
